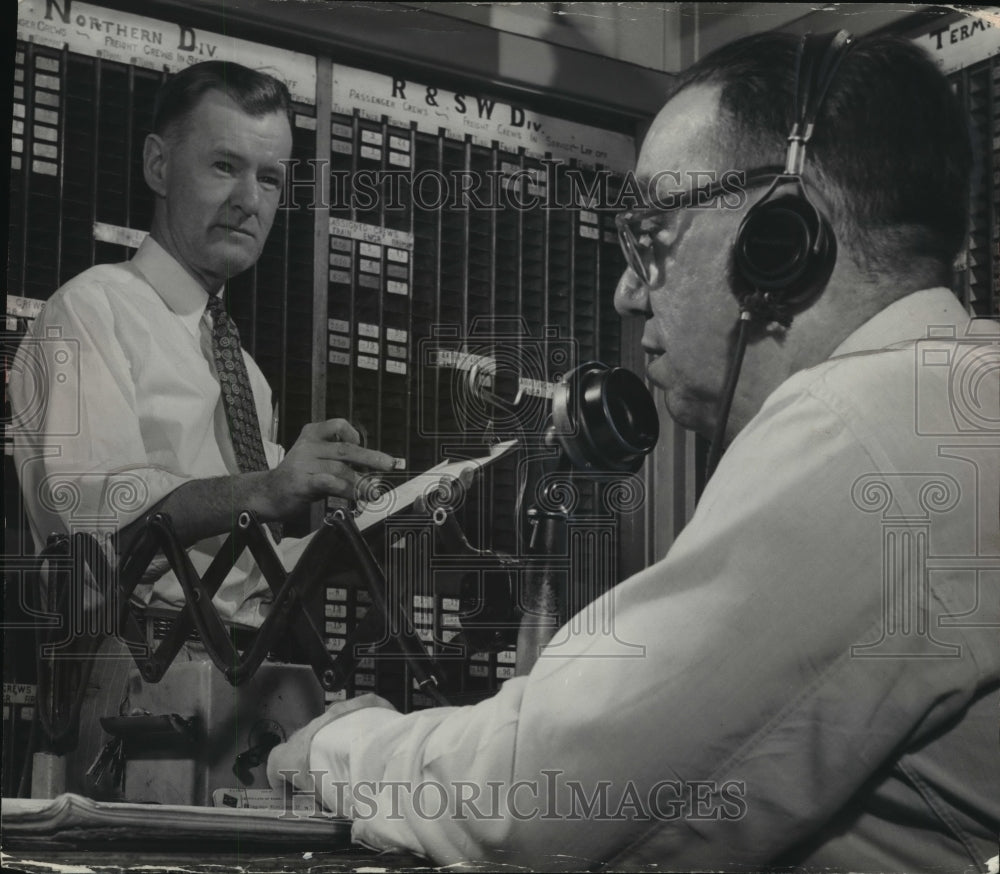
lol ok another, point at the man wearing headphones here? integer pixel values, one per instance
(816, 683)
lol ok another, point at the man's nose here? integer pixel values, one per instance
(632, 295)
(245, 195)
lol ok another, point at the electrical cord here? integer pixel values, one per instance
(23, 784)
(45, 678)
(726, 400)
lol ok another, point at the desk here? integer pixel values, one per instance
(76, 835)
(108, 860)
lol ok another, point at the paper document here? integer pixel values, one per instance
(404, 495)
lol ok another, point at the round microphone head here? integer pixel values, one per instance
(604, 418)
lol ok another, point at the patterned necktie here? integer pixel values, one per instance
(237, 395)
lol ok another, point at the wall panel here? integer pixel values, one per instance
(413, 282)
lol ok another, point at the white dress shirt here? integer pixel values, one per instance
(809, 676)
(116, 403)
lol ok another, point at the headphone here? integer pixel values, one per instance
(785, 248)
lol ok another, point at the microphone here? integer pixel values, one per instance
(604, 419)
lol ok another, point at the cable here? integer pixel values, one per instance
(726, 401)
(24, 783)
(45, 680)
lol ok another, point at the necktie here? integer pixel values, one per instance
(237, 395)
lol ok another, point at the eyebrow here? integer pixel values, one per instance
(225, 152)
(726, 182)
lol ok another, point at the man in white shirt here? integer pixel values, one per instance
(117, 403)
(817, 678)
(116, 396)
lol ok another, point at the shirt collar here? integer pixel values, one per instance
(178, 289)
(907, 319)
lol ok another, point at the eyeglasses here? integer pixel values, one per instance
(637, 228)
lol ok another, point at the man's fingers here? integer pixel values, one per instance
(335, 430)
(356, 456)
(466, 477)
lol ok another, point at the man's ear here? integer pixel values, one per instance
(154, 163)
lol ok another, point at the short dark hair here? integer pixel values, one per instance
(256, 93)
(891, 138)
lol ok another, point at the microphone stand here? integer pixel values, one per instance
(545, 596)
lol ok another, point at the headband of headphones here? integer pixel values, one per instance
(816, 65)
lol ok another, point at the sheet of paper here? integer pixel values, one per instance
(404, 495)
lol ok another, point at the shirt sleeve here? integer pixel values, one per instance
(294, 762)
(722, 709)
(80, 455)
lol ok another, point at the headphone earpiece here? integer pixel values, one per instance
(785, 248)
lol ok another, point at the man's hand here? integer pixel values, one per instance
(324, 462)
(293, 762)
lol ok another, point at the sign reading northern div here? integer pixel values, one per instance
(485, 119)
(971, 39)
(158, 45)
